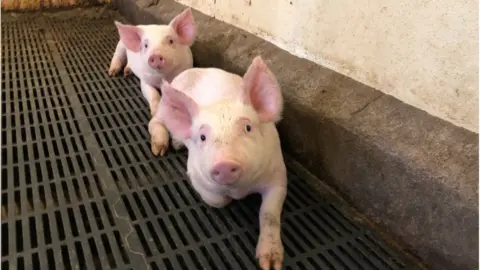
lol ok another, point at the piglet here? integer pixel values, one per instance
(154, 52)
(228, 125)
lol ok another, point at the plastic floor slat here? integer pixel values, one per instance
(81, 189)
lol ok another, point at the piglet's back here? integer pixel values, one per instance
(209, 85)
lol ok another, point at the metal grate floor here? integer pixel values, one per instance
(81, 189)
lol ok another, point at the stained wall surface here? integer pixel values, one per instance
(422, 52)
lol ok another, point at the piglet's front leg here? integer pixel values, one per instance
(270, 247)
(152, 96)
(118, 60)
(156, 128)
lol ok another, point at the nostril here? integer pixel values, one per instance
(161, 59)
(216, 172)
(233, 170)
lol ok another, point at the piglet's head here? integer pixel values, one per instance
(229, 140)
(162, 48)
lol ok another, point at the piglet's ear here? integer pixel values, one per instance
(178, 111)
(185, 27)
(262, 91)
(131, 36)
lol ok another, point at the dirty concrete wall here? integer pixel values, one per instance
(27, 5)
(420, 51)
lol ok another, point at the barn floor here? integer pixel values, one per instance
(81, 189)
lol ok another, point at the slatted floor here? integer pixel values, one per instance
(81, 189)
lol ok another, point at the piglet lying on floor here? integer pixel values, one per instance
(228, 125)
(158, 52)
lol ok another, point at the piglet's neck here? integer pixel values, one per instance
(170, 76)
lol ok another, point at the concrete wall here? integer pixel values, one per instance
(422, 52)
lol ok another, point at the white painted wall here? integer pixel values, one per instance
(423, 52)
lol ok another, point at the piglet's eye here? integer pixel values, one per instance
(146, 44)
(170, 41)
(203, 138)
(248, 128)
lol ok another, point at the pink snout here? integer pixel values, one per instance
(156, 61)
(226, 172)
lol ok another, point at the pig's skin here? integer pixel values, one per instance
(217, 98)
(133, 56)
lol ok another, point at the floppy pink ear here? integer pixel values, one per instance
(178, 111)
(185, 27)
(262, 91)
(131, 36)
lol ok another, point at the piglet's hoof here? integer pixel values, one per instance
(159, 148)
(270, 254)
(159, 140)
(115, 68)
(126, 71)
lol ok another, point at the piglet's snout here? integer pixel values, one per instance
(226, 172)
(156, 61)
